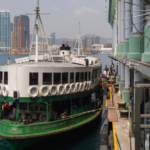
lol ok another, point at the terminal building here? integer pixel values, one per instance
(131, 50)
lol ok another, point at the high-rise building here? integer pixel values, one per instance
(108, 44)
(96, 40)
(49, 39)
(83, 43)
(53, 38)
(4, 30)
(21, 32)
(16, 40)
(70, 43)
(11, 35)
(89, 41)
(24, 32)
(44, 43)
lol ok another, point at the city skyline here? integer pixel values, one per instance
(64, 21)
(86, 42)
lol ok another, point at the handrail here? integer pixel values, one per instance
(114, 136)
(94, 110)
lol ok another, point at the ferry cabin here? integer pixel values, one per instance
(44, 91)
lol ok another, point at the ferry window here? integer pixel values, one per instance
(22, 106)
(71, 77)
(82, 76)
(43, 106)
(33, 79)
(5, 77)
(57, 78)
(89, 76)
(1, 77)
(77, 76)
(64, 77)
(86, 77)
(33, 106)
(47, 78)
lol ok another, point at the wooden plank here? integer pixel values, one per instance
(112, 115)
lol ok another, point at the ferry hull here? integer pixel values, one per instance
(78, 121)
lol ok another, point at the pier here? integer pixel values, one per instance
(128, 108)
(131, 56)
(118, 120)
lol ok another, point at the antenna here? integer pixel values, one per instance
(37, 3)
(79, 42)
(79, 27)
(36, 27)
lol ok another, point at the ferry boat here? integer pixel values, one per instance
(44, 95)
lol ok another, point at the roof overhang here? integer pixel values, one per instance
(111, 13)
(147, 1)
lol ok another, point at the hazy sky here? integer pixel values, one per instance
(64, 16)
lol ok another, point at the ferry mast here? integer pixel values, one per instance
(79, 42)
(36, 27)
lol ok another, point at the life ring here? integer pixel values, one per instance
(60, 89)
(85, 85)
(33, 91)
(67, 88)
(91, 62)
(81, 87)
(72, 87)
(43, 117)
(53, 90)
(90, 84)
(77, 87)
(44, 91)
(5, 91)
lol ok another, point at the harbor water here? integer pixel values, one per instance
(84, 138)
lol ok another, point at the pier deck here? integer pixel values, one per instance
(122, 132)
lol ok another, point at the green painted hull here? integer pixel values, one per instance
(42, 131)
(19, 135)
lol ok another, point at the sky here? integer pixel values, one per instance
(65, 16)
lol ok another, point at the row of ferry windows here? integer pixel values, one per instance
(62, 78)
(58, 78)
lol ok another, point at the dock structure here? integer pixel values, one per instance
(131, 53)
(117, 123)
